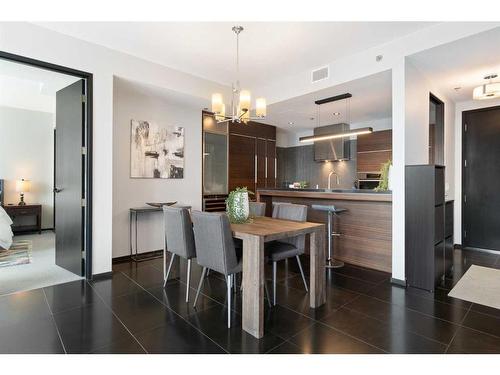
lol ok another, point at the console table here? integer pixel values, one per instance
(15, 211)
(133, 214)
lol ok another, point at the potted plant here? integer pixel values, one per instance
(385, 177)
(237, 206)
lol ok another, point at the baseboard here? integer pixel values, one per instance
(398, 282)
(145, 255)
(102, 276)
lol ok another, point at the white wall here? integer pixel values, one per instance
(131, 101)
(38, 43)
(460, 107)
(27, 151)
(418, 88)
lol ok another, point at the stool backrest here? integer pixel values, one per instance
(295, 212)
(214, 241)
(179, 234)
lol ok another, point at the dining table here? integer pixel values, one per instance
(254, 235)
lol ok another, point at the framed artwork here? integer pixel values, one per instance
(156, 151)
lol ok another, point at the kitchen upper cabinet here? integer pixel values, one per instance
(252, 156)
(242, 162)
(373, 150)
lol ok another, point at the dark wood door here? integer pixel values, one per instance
(242, 162)
(271, 163)
(481, 179)
(69, 177)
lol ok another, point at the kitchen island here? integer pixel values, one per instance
(365, 228)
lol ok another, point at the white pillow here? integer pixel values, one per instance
(5, 230)
(5, 216)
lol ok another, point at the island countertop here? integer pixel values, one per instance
(340, 194)
(364, 228)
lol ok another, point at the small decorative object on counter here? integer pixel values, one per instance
(299, 185)
(383, 185)
(237, 206)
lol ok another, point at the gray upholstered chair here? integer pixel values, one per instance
(215, 250)
(257, 209)
(288, 247)
(179, 239)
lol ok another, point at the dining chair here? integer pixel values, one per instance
(179, 239)
(257, 209)
(215, 250)
(288, 247)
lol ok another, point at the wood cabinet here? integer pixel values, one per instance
(31, 210)
(252, 156)
(425, 225)
(373, 150)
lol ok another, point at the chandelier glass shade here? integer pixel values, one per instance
(241, 100)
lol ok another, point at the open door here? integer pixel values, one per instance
(69, 177)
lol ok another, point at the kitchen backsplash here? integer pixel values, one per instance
(297, 164)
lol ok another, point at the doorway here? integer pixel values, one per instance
(53, 164)
(436, 131)
(480, 179)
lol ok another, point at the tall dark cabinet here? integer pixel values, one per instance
(426, 258)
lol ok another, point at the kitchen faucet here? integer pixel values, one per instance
(336, 177)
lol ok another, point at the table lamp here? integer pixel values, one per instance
(22, 186)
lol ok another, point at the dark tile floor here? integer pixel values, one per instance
(132, 313)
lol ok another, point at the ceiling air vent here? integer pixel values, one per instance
(320, 74)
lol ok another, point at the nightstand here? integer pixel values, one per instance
(26, 210)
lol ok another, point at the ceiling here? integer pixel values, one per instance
(371, 100)
(462, 63)
(27, 87)
(268, 50)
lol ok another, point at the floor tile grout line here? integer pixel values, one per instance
(417, 311)
(188, 322)
(54, 321)
(406, 330)
(456, 332)
(338, 330)
(118, 318)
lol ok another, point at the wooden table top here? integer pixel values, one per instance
(273, 229)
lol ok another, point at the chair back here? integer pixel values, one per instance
(179, 234)
(295, 212)
(257, 209)
(214, 241)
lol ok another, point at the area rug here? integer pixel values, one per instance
(19, 253)
(479, 285)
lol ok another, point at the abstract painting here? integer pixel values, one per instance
(156, 151)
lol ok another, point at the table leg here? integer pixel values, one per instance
(317, 288)
(253, 286)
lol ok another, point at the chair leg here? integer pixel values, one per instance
(228, 281)
(168, 271)
(268, 297)
(188, 279)
(235, 283)
(275, 267)
(302, 272)
(200, 284)
(208, 272)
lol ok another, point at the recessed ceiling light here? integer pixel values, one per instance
(457, 88)
(336, 113)
(311, 118)
(290, 123)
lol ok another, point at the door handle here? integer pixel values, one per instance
(57, 190)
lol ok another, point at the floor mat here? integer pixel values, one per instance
(479, 285)
(19, 253)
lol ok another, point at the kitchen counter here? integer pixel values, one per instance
(343, 194)
(366, 226)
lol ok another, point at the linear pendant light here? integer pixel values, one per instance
(316, 138)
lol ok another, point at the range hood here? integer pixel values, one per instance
(333, 149)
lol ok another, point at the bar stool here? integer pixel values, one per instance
(332, 212)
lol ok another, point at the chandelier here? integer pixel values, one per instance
(489, 90)
(241, 99)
